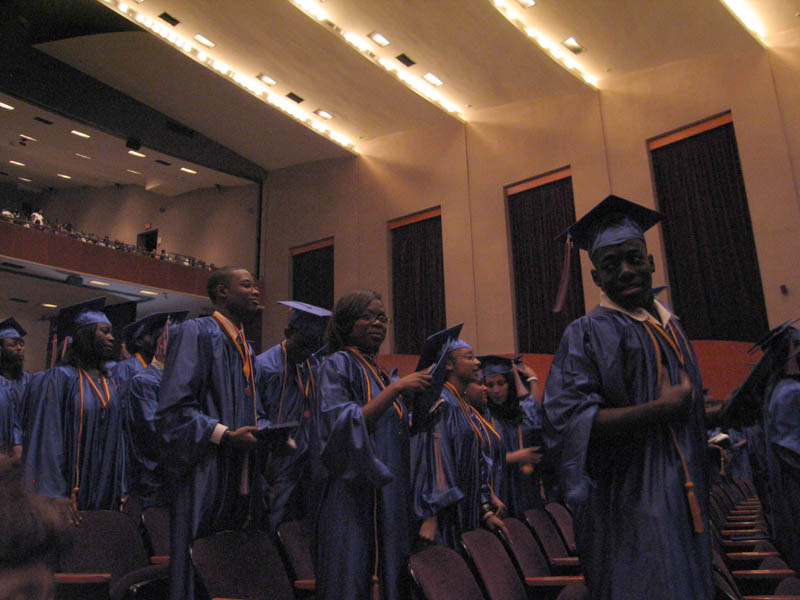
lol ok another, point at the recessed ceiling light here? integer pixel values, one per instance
(27, 137)
(80, 134)
(323, 114)
(148, 292)
(63, 176)
(378, 39)
(83, 156)
(204, 40)
(573, 45)
(6, 106)
(48, 305)
(266, 79)
(135, 153)
(100, 283)
(432, 79)
(16, 162)
(185, 170)
(25, 179)
(526, 3)
(132, 171)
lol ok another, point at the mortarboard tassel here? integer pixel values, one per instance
(563, 283)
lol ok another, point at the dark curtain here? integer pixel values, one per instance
(711, 255)
(417, 283)
(536, 216)
(312, 277)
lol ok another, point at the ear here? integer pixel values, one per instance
(222, 291)
(448, 365)
(596, 279)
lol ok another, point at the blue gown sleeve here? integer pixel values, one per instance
(785, 431)
(183, 428)
(347, 450)
(572, 399)
(44, 454)
(433, 466)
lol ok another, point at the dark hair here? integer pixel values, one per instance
(345, 315)
(510, 410)
(32, 528)
(221, 276)
(82, 352)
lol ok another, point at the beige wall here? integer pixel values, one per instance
(214, 226)
(601, 135)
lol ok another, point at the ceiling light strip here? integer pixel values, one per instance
(748, 17)
(250, 84)
(548, 45)
(312, 9)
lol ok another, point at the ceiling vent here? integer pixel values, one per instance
(403, 58)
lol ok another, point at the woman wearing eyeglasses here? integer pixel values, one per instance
(363, 529)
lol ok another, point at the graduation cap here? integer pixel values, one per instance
(10, 329)
(745, 404)
(307, 317)
(151, 324)
(434, 345)
(492, 364)
(613, 221)
(73, 317)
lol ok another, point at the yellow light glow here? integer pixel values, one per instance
(6, 106)
(25, 179)
(49, 305)
(191, 171)
(323, 114)
(432, 79)
(100, 283)
(63, 176)
(137, 154)
(16, 162)
(148, 292)
(747, 16)
(204, 40)
(378, 39)
(83, 156)
(266, 79)
(27, 137)
(132, 171)
(80, 134)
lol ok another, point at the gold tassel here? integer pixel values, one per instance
(75, 498)
(376, 588)
(694, 507)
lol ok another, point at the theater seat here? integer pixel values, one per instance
(241, 564)
(440, 573)
(295, 539)
(543, 527)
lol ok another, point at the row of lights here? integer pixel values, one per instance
(257, 86)
(100, 283)
(426, 85)
(553, 49)
(83, 135)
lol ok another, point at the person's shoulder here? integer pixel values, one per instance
(271, 359)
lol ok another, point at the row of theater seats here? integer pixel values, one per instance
(746, 563)
(113, 557)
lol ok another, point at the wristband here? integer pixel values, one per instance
(533, 378)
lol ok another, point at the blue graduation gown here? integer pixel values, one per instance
(285, 401)
(51, 440)
(368, 488)
(123, 371)
(203, 384)
(18, 390)
(451, 470)
(519, 485)
(782, 422)
(146, 480)
(633, 525)
(10, 423)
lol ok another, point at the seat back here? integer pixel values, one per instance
(241, 564)
(295, 543)
(441, 574)
(493, 565)
(545, 531)
(563, 520)
(156, 524)
(105, 541)
(525, 550)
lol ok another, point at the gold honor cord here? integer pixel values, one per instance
(247, 363)
(306, 387)
(104, 401)
(653, 330)
(141, 359)
(379, 374)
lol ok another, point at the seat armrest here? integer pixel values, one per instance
(159, 560)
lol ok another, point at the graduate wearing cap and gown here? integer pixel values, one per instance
(141, 401)
(74, 447)
(364, 521)
(517, 417)
(782, 436)
(452, 464)
(140, 342)
(10, 424)
(208, 411)
(12, 364)
(624, 411)
(286, 376)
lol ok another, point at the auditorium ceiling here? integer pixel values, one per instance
(327, 89)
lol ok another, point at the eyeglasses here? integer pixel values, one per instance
(372, 317)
